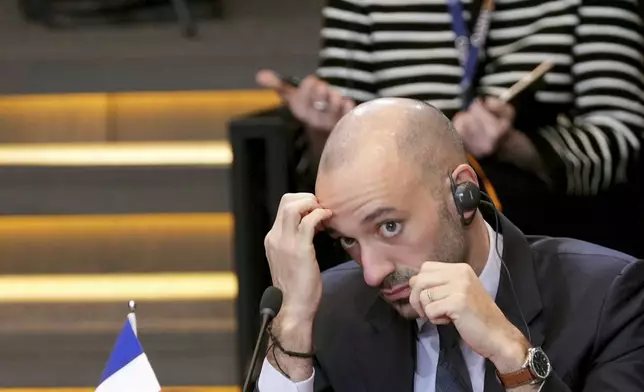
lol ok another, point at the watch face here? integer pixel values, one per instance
(540, 364)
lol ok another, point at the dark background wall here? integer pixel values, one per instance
(251, 34)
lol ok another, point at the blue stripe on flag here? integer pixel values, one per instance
(127, 348)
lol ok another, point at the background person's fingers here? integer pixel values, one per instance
(270, 79)
(336, 102)
(321, 93)
(489, 130)
(483, 116)
(348, 105)
(499, 108)
(462, 122)
(322, 114)
(306, 92)
(504, 112)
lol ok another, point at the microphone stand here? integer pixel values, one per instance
(269, 306)
(266, 318)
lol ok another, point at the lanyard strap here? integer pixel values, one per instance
(469, 48)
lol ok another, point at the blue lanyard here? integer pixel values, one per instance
(469, 47)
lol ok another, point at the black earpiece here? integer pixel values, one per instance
(467, 197)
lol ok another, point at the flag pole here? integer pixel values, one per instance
(132, 316)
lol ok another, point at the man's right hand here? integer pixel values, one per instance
(314, 102)
(291, 255)
(295, 270)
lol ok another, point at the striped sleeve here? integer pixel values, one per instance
(598, 144)
(345, 56)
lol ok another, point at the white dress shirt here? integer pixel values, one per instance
(427, 345)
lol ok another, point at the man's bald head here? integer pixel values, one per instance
(399, 129)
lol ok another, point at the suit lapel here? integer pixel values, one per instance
(518, 295)
(388, 350)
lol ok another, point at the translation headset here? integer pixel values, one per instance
(467, 197)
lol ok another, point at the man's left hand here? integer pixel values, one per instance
(485, 125)
(451, 292)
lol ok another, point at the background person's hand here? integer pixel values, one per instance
(485, 126)
(314, 102)
(451, 292)
(291, 255)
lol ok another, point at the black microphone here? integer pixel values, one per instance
(269, 306)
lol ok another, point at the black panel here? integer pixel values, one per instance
(260, 176)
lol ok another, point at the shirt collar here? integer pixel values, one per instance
(491, 274)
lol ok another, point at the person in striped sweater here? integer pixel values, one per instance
(579, 131)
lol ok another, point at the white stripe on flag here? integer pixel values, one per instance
(136, 376)
(132, 319)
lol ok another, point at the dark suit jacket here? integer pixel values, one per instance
(583, 304)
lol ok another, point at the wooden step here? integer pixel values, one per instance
(92, 389)
(114, 178)
(126, 117)
(78, 359)
(68, 344)
(113, 190)
(94, 244)
(68, 318)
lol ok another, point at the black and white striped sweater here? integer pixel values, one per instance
(586, 119)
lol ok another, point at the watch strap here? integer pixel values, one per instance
(516, 379)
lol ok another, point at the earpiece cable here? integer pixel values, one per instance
(507, 271)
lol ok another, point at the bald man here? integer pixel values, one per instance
(437, 298)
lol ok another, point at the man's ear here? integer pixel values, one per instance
(464, 173)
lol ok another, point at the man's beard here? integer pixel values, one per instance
(450, 248)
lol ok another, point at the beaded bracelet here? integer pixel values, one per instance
(295, 354)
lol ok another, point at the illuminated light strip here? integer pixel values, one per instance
(51, 226)
(164, 389)
(118, 287)
(201, 153)
(221, 98)
(225, 98)
(175, 325)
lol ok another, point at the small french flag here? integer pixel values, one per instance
(128, 369)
